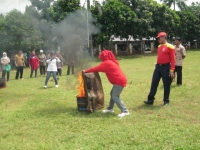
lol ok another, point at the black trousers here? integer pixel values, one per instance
(32, 73)
(20, 70)
(42, 70)
(4, 74)
(69, 68)
(178, 70)
(59, 71)
(163, 72)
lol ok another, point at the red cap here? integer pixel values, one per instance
(161, 34)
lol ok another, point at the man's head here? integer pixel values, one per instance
(41, 51)
(162, 37)
(33, 53)
(20, 52)
(177, 41)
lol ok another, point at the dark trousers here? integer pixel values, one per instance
(178, 70)
(32, 73)
(59, 71)
(20, 70)
(163, 72)
(4, 74)
(42, 70)
(69, 68)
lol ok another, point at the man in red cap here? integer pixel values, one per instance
(164, 69)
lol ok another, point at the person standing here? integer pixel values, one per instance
(116, 77)
(59, 64)
(34, 63)
(5, 61)
(20, 64)
(180, 55)
(164, 69)
(52, 69)
(42, 61)
(71, 62)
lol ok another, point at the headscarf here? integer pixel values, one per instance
(107, 55)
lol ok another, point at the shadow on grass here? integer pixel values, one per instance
(72, 111)
(147, 107)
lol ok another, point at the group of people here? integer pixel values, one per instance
(169, 61)
(49, 64)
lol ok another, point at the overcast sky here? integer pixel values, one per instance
(7, 5)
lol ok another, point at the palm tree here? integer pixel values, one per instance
(180, 3)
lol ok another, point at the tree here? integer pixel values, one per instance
(189, 29)
(23, 32)
(115, 19)
(3, 34)
(180, 3)
(59, 10)
(165, 19)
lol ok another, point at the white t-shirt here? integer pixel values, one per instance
(52, 66)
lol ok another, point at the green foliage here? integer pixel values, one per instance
(165, 19)
(115, 18)
(3, 34)
(22, 32)
(59, 10)
(189, 29)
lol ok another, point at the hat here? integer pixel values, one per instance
(41, 51)
(161, 34)
(4, 53)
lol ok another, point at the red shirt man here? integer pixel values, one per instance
(164, 69)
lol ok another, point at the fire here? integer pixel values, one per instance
(80, 87)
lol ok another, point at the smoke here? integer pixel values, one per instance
(72, 36)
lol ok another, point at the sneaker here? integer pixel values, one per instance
(166, 103)
(56, 86)
(123, 114)
(45, 86)
(108, 111)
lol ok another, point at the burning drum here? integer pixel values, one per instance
(90, 92)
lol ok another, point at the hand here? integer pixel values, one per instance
(172, 75)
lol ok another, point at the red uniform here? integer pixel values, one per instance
(34, 62)
(111, 67)
(166, 54)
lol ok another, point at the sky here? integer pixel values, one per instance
(8, 5)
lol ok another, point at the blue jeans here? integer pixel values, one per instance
(49, 75)
(115, 93)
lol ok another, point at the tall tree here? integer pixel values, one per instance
(59, 10)
(22, 31)
(3, 34)
(115, 19)
(180, 3)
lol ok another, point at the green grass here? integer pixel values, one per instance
(33, 118)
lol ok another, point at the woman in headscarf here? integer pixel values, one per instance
(42, 60)
(5, 61)
(111, 68)
(34, 63)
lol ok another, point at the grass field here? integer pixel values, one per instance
(33, 118)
